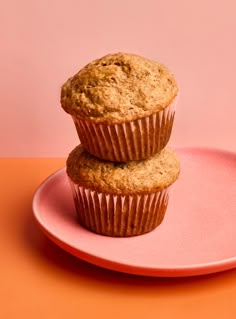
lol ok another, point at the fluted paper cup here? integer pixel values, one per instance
(119, 215)
(128, 141)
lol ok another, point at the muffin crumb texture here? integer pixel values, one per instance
(117, 88)
(150, 175)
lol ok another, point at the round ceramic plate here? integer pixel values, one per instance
(196, 237)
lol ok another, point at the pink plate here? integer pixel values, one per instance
(196, 237)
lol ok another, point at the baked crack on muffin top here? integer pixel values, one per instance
(117, 88)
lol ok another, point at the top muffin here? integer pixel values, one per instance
(117, 88)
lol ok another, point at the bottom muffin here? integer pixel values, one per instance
(121, 199)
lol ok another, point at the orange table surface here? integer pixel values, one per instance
(39, 280)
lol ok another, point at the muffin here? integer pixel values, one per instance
(121, 199)
(122, 106)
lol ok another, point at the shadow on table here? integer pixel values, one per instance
(60, 260)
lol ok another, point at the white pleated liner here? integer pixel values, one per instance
(135, 140)
(119, 215)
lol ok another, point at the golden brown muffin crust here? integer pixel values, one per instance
(118, 88)
(150, 175)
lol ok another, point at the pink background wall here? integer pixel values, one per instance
(44, 42)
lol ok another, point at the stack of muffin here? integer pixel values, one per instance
(123, 109)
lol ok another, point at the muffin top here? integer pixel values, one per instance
(150, 175)
(117, 88)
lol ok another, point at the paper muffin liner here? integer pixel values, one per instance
(119, 215)
(134, 140)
